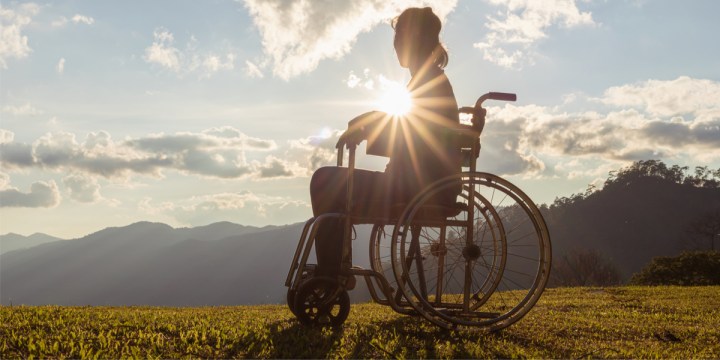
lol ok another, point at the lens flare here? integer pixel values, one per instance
(394, 98)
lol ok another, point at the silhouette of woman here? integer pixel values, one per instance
(422, 146)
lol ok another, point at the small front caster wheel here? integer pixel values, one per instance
(291, 300)
(321, 301)
(307, 273)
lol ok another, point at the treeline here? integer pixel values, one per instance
(648, 171)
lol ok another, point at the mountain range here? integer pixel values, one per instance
(154, 264)
(639, 214)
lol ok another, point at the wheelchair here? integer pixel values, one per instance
(481, 264)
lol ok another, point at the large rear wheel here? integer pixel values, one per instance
(484, 266)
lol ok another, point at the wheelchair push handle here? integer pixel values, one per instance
(488, 96)
(478, 112)
(495, 96)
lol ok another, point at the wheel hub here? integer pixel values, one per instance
(471, 252)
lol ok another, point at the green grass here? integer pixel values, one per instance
(623, 322)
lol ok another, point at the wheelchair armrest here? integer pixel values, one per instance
(478, 117)
(467, 136)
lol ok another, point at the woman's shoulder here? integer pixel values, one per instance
(432, 82)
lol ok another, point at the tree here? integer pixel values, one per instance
(657, 170)
(704, 177)
(704, 232)
(687, 269)
(584, 268)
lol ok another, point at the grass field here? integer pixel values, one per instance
(622, 322)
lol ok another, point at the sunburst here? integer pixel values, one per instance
(394, 98)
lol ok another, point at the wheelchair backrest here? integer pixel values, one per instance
(469, 134)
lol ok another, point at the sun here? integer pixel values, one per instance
(394, 98)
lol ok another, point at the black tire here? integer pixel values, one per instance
(321, 302)
(291, 301)
(490, 279)
(307, 273)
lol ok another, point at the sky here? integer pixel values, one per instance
(189, 112)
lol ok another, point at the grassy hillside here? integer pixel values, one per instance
(625, 322)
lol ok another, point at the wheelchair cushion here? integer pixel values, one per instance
(438, 212)
(425, 213)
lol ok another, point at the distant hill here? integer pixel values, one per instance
(219, 230)
(11, 241)
(642, 211)
(153, 264)
(145, 263)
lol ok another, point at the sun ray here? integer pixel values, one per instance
(394, 99)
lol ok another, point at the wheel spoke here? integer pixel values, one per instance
(491, 279)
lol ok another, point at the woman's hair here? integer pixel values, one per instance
(424, 28)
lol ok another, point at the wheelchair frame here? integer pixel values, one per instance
(479, 237)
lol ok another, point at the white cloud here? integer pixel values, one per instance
(366, 81)
(82, 19)
(13, 44)
(216, 153)
(245, 204)
(60, 22)
(581, 170)
(315, 151)
(146, 205)
(163, 52)
(4, 180)
(352, 80)
(683, 95)
(76, 19)
(253, 70)
(518, 137)
(61, 66)
(214, 63)
(276, 168)
(233, 201)
(6, 136)
(82, 188)
(22, 110)
(512, 33)
(41, 194)
(297, 35)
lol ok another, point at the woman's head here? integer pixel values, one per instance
(417, 38)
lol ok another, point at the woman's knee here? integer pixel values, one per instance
(327, 189)
(325, 177)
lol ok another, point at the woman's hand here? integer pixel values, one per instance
(359, 127)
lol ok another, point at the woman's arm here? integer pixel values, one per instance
(360, 127)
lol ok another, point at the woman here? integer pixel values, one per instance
(423, 148)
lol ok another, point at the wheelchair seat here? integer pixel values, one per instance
(432, 212)
(427, 212)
